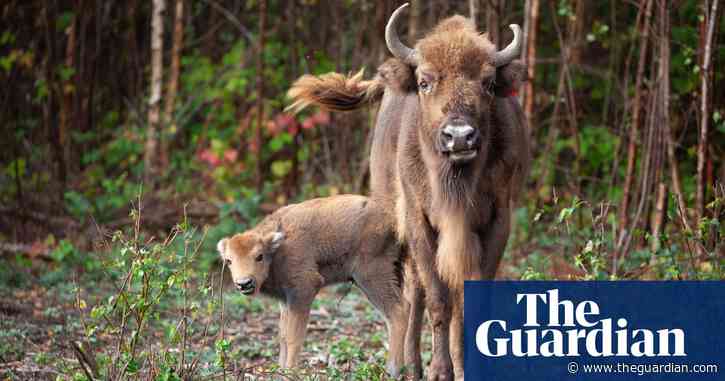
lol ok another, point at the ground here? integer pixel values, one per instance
(145, 308)
(346, 335)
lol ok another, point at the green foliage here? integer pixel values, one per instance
(9, 350)
(151, 278)
(64, 251)
(580, 238)
(113, 195)
(344, 353)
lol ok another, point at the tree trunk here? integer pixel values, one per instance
(49, 112)
(66, 103)
(157, 50)
(132, 48)
(414, 21)
(473, 11)
(705, 116)
(531, 25)
(170, 126)
(658, 217)
(646, 7)
(492, 24)
(577, 32)
(676, 183)
(209, 41)
(258, 141)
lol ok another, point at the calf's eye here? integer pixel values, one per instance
(227, 262)
(259, 258)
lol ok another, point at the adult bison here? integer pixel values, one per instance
(450, 150)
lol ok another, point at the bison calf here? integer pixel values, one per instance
(301, 248)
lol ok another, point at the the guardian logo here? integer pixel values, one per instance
(573, 330)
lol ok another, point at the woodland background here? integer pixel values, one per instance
(135, 134)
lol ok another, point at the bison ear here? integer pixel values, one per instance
(274, 240)
(509, 78)
(221, 246)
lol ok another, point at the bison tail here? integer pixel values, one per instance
(334, 92)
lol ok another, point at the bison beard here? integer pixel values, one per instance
(454, 214)
(459, 250)
(458, 257)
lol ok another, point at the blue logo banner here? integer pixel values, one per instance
(624, 330)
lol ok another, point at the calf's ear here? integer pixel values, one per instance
(272, 241)
(221, 246)
(509, 78)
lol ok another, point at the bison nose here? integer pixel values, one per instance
(459, 138)
(246, 285)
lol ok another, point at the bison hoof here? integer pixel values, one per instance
(440, 371)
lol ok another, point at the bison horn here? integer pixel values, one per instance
(511, 52)
(399, 50)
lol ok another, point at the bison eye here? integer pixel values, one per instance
(259, 258)
(424, 86)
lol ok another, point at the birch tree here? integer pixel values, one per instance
(154, 114)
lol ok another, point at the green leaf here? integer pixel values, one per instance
(64, 250)
(65, 72)
(281, 168)
(565, 214)
(7, 38)
(64, 20)
(132, 367)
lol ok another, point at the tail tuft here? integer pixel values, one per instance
(334, 92)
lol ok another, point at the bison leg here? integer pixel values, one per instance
(493, 241)
(297, 316)
(414, 296)
(457, 333)
(439, 311)
(422, 237)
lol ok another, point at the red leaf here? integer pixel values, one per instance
(231, 155)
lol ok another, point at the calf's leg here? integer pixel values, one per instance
(282, 335)
(297, 316)
(380, 285)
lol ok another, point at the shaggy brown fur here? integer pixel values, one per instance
(334, 91)
(454, 214)
(301, 248)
